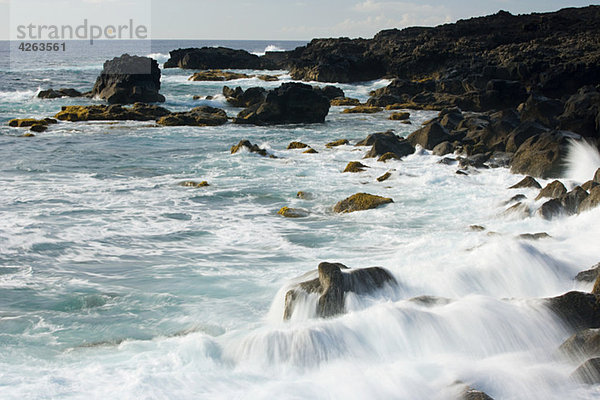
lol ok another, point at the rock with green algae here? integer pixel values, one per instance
(400, 116)
(297, 145)
(217, 75)
(29, 122)
(363, 110)
(137, 112)
(355, 166)
(344, 101)
(289, 212)
(199, 116)
(194, 184)
(384, 177)
(310, 151)
(360, 202)
(335, 143)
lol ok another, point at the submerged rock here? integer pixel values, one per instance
(129, 79)
(334, 281)
(194, 184)
(360, 202)
(400, 116)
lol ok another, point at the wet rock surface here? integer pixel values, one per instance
(334, 281)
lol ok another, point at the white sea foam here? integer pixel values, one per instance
(269, 48)
(583, 159)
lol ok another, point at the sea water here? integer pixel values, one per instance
(116, 282)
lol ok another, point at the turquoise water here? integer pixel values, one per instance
(116, 282)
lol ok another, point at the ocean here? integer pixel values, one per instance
(117, 282)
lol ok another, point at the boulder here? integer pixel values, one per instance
(384, 177)
(292, 212)
(542, 155)
(591, 201)
(310, 151)
(360, 202)
(252, 148)
(29, 122)
(39, 128)
(588, 372)
(388, 156)
(534, 236)
(244, 98)
(573, 199)
(429, 136)
(199, 116)
(386, 142)
(344, 101)
(581, 112)
(331, 92)
(589, 185)
(55, 94)
(541, 109)
(521, 133)
(584, 343)
(597, 176)
(333, 282)
(579, 310)
(137, 112)
(400, 116)
(553, 190)
(297, 145)
(355, 166)
(290, 103)
(336, 143)
(443, 148)
(527, 182)
(129, 79)
(362, 110)
(551, 209)
(216, 58)
(589, 275)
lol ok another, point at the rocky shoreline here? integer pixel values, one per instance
(511, 91)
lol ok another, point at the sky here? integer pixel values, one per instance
(258, 20)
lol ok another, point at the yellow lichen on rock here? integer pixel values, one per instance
(360, 202)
